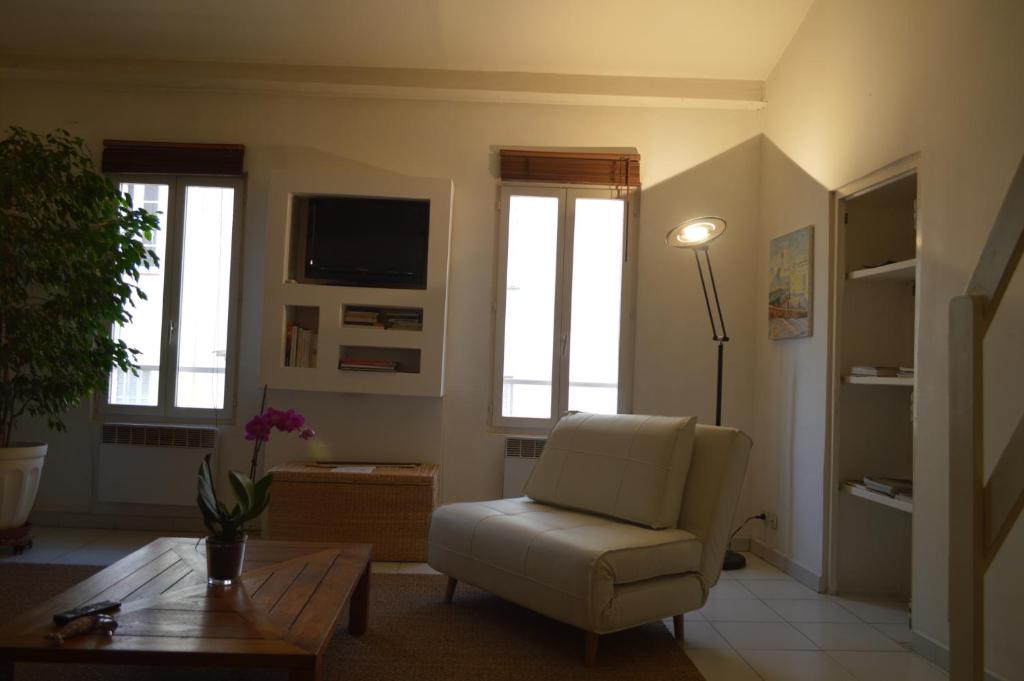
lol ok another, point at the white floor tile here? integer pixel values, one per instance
(717, 664)
(904, 666)
(50, 543)
(129, 539)
(694, 616)
(796, 665)
(698, 635)
(897, 632)
(779, 588)
(726, 590)
(847, 636)
(763, 636)
(739, 610)
(810, 610)
(875, 611)
(416, 569)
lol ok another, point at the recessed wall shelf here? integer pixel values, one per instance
(370, 359)
(301, 330)
(382, 317)
(858, 490)
(872, 430)
(905, 270)
(880, 380)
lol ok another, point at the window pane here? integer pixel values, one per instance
(205, 297)
(596, 303)
(144, 331)
(530, 306)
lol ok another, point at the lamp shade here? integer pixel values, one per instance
(696, 232)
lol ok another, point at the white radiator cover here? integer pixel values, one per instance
(521, 455)
(150, 474)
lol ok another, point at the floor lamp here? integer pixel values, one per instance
(696, 234)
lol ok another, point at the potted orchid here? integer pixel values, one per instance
(225, 545)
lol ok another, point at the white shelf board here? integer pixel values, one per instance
(859, 490)
(879, 380)
(897, 271)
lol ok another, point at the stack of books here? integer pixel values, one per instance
(893, 487)
(300, 347)
(874, 371)
(380, 365)
(408, 320)
(905, 372)
(361, 317)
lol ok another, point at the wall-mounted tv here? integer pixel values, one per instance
(365, 241)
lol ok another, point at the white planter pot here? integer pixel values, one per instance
(20, 469)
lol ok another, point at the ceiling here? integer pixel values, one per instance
(717, 39)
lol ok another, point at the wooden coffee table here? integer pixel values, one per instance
(282, 613)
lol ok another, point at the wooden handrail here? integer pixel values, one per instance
(980, 515)
(1002, 250)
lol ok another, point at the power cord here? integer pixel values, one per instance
(759, 516)
(734, 560)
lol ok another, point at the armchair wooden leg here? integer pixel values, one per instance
(449, 592)
(590, 651)
(677, 626)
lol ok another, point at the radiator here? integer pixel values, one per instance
(151, 464)
(521, 454)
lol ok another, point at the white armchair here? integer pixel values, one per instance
(626, 521)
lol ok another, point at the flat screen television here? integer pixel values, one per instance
(372, 242)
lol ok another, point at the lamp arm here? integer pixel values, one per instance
(718, 304)
(704, 288)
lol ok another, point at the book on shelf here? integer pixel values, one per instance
(300, 347)
(888, 372)
(892, 487)
(351, 364)
(905, 372)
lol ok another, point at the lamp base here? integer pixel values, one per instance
(734, 561)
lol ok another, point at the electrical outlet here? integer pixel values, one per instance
(772, 520)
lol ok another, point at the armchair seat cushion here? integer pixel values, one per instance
(577, 554)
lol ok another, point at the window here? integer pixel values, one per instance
(185, 329)
(560, 313)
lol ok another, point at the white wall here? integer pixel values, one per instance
(791, 374)
(441, 139)
(863, 84)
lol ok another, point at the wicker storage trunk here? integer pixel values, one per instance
(389, 508)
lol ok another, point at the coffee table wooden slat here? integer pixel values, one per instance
(282, 613)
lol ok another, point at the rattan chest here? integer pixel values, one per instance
(389, 508)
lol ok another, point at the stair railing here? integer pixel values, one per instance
(981, 513)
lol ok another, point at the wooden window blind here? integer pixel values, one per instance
(172, 158)
(568, 167)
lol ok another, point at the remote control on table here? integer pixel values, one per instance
(63, 618)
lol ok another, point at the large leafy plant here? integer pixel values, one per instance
(71, 247)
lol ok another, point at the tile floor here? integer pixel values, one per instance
(758, 623)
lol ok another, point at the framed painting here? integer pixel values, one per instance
(791, 285)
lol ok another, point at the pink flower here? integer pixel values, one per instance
(285, 421)
(261, 425)
(257, 428)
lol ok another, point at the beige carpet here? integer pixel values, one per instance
(412, 636)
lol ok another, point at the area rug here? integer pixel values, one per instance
(413, 636)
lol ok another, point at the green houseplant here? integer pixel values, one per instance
(225, 545)
(71, 248)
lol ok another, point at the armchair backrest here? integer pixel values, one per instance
(712, 492)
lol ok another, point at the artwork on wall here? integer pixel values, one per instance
(791, 287)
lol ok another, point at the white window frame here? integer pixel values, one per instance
(165, 411)
(562, 339)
